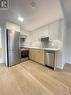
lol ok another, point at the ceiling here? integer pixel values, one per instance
(44, 12)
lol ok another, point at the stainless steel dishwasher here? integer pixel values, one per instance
(50, 58)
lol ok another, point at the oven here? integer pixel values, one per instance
(24, 54)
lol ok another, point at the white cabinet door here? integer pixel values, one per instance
(53, 30)
(61, 30)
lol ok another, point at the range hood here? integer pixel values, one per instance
(45, 39)
(23, 36)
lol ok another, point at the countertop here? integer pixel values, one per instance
(24, 49)
(51, 49)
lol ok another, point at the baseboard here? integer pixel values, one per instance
(2, 64)
(60, 67)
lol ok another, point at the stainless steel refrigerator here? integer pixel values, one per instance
(13, 51)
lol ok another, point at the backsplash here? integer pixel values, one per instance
(54, 44)
(50, 44)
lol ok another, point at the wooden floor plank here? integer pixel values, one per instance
(30, 78)
(43, 75)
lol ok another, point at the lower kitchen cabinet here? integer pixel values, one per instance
(32, 54)
(37, 55)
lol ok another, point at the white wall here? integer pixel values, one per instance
(66, 6)
(68, 46)
(3, 44)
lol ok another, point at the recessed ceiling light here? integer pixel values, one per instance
(21, 19)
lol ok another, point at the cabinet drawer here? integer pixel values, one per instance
(37, 55)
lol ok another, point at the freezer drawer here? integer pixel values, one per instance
(14, 58)
(49, 59)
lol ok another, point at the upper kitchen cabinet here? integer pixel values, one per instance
(53, 30)
(40, 32)
(27, 34)
(61, 30)
(56, 30)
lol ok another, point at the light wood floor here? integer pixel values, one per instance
(30, 78)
